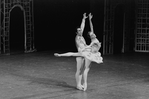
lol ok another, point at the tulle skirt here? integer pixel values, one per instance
(95, 57)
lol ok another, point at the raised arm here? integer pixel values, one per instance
(83, 22)
(90, 21)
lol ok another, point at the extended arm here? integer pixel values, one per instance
(83, 22)
(91, 24)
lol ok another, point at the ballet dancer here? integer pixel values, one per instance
(80, 44)
(90, 53)
(94, 55)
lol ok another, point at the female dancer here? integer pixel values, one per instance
(89, 52)
(94, 55)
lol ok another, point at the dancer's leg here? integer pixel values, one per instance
(68, 54)
(78, 74)
(85, 74)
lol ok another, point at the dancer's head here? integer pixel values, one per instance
(79, 31)
(92, 35)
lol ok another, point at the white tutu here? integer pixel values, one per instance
(95, 57)
(91, 53)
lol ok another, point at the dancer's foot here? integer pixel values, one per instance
(56, 54)
(80, 87)
(85, 86)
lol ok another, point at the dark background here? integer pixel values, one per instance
(56, 21)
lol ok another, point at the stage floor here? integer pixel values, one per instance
(40, 75)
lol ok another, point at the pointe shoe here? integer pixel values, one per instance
(85, 87)
(80, 87)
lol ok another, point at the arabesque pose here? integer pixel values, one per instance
(89, 53)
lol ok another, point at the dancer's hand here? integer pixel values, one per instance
(84, 16)
(90, 16)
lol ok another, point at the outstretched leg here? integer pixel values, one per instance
(85, 74)
(68, 54)
(78, 74)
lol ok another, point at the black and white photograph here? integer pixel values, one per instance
(74, 49)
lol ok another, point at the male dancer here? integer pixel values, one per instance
(80, 44)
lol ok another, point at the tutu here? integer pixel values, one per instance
(95, 57)
(90, 52)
